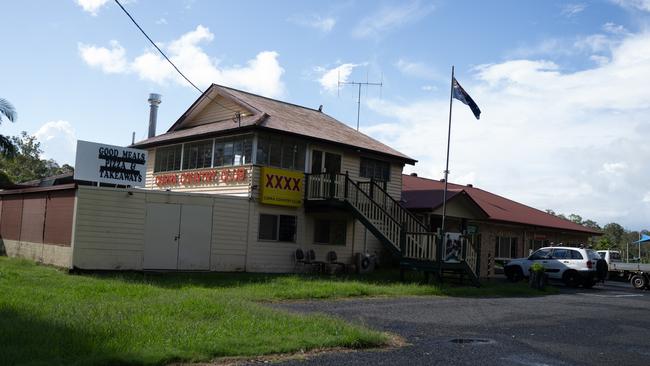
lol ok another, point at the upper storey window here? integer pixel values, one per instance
(168, 158)
(233, 151)
(281, 152)
(198, 155)
(374, 169)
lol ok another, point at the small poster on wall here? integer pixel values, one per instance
(453, 246)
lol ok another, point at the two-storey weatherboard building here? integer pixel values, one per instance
(230, 142)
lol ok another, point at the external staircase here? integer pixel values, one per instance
(399, 230)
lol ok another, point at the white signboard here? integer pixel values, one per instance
(110, 164)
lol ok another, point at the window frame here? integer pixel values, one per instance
(158, 156)
(512, 247)
(186, 154)
(375, 164)
(278, 229)
(323, 161)
(267, 144)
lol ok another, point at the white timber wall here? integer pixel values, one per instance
(110, 226)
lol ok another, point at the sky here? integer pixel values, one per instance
(564, 86)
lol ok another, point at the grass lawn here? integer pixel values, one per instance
(48, 317)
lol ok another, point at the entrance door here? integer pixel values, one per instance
(161, 236)
(325, 162)
(195, 238)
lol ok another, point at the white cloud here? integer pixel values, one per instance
(570, 141)
(595, 43)
(428, 88)
(110, 60)
(390, 17)
(643, 5)
(323, 24)
(58, 140)
(330, 77)
(92, 6)
(571, 10)
(614, 168)
(418, 70)
(614, 28)
(161, 21)
(646, 197)
(262, 74)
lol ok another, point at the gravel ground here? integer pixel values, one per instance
(607, 325)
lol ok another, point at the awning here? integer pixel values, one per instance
(644, 239)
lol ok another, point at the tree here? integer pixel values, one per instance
(591, 224)
(576, 218)
(613, 235)
(27, 163)
(7, 148)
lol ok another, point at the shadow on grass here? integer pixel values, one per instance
(174, 280)
(384, 282)
(27, 340)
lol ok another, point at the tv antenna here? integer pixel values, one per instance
(359, 84)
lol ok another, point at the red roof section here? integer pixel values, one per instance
(497, 207)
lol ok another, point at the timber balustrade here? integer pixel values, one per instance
(401, 228)
(398, 226)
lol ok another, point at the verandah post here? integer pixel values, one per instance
(332, 185)
(345, 189)
(306, 186)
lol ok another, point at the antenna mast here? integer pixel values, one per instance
(359, 84)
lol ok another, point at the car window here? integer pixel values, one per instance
(615, 257)
(593, 255)
(574, 254)
(560, 254)
(540, 254)
(603, 254)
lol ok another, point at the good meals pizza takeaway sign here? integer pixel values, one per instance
(110, 164)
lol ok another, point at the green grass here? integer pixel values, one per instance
(48, 317)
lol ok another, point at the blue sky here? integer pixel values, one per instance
(563, 85)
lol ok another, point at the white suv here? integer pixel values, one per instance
(574, 266)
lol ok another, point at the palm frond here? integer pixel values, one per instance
(7, 147)
(8, 110)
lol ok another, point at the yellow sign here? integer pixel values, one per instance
(281, 187)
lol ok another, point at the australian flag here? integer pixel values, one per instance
(460, 94)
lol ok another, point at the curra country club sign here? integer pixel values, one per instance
(202, 177)
(281, 187)
(110, 164)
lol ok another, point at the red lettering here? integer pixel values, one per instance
(296, 184)
(278, 182)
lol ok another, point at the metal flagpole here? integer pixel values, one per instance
(444, 194)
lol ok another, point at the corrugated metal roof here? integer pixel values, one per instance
(280, 116)
(496, 207)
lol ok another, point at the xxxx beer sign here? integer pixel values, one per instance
(281, 187)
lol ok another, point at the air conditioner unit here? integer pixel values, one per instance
(365, 262)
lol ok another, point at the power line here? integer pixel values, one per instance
(167, 58)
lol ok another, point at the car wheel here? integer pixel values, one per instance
(571, 278)
(639, 282)
(514, 273)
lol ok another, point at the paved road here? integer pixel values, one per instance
(607, 325)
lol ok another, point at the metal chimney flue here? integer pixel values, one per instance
(154, 100)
